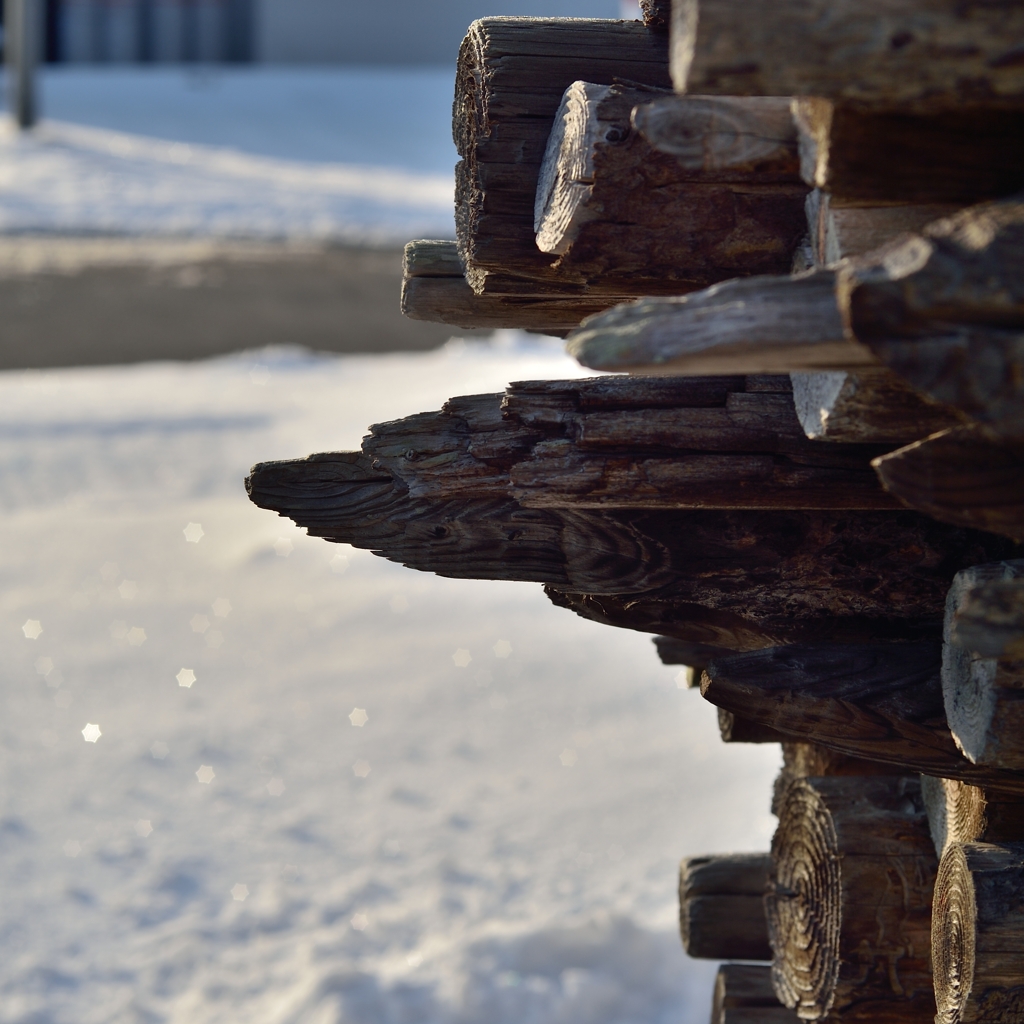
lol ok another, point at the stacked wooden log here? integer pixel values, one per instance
(809, 480)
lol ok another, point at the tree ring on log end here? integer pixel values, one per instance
(803, 903)
(954, 921)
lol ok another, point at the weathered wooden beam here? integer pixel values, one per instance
(879, 702)
(961, 813)
(718, 446)
(721, 908)
(434, 288)
(870, 406)
(751, 325)
(924, 57)
(944, 309)
(864, 157)
(982, 669)
(977, 939)
(743, 994)
(849, 900)
(621, 214)
(961, 476)
(837, 604)
(839, 231)
(681, 652)
(510, 79)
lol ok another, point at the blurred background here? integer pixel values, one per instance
(246, 775)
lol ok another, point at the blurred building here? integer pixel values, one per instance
(282, 31)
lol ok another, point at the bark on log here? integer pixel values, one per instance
(961, 476)
(867, 407)
(983, 689)
(849, 900)
(961, 813)
(924, 57)
(681, 652)
(621, 215)
(945, 310)
(743, 994)
(434, 288)
(753, 325)
(736, 729)
(837, 231)
(864, 157)
(978, 934)
(880, 702)
(510, 79)
(721, 906)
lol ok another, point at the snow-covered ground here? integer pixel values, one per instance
(495, 844)
(352, 155)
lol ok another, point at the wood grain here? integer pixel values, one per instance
(978, 933)
(931, 56)
(961, 813)
(879, 702)
(849, 900)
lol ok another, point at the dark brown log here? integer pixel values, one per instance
(961, 476)
(880, 702)
(864, 157)
(733, 448)
(866, 406)
(657, 14)
(978, 934)
(753, 325)
(681, 652)
(982, 668)
(743, 994)
(849, 900)
(435, 289)
(945, 310)
(735, 729)
(923, 57)
(837, 231)
(511, 76)
(622, 215)
(721, 909)
(961, 813)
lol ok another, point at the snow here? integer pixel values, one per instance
(384, 797)
(349, 155)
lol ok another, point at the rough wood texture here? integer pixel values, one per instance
(866, 157)
(982, 669)
(871, 406)
(657, 14)
(879, 702)
(961, 476)
(736, 729)
(838, 231)
(978, 934)
(621, 215)
(743, 994)
(510, 79)
(849, 900)
(682, 652)
(691, 443)
(435, 289)
(924, 57)
(945, 310)
(753, 325)
(961, 813)
(721, 908)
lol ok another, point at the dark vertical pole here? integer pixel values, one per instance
(98, 31)
(237, 46)
(53, 49)
(22, 46)
(145, 27)
(189, 30)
